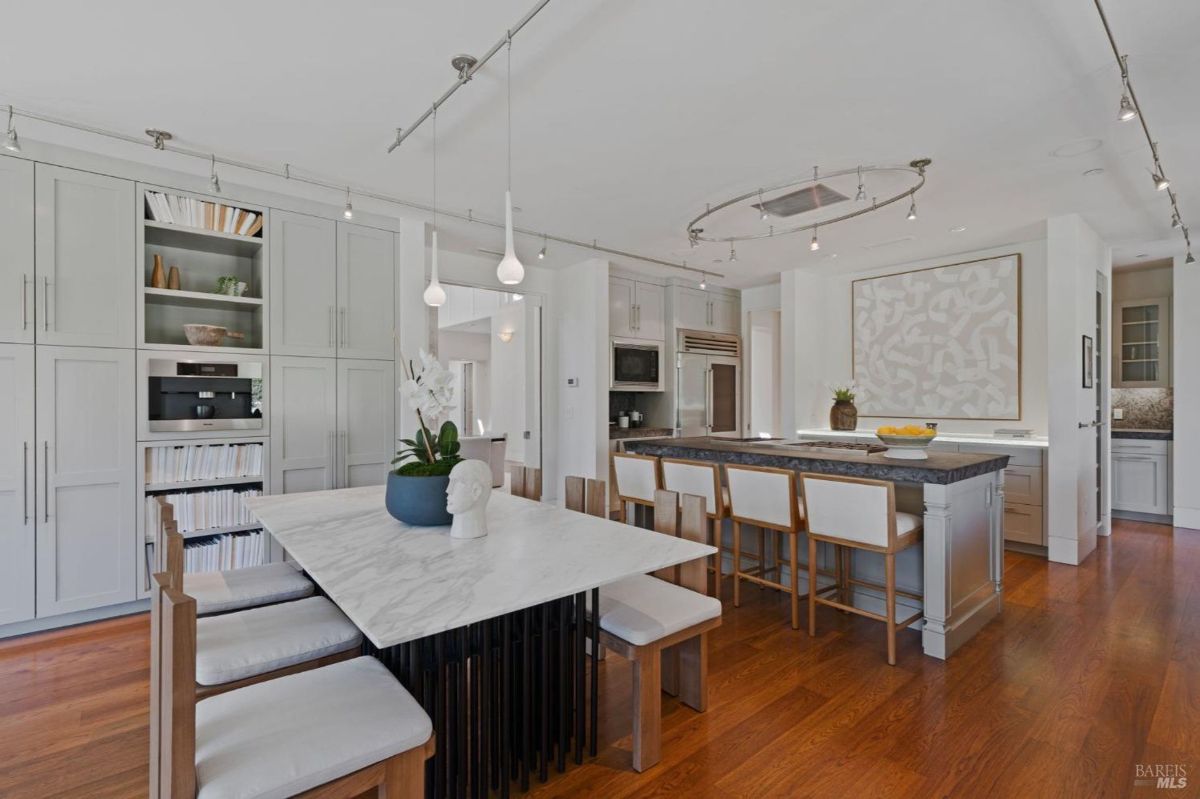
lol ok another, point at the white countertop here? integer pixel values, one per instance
(1036, 442)
(399, 583)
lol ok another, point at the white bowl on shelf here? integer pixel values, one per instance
(909, 448)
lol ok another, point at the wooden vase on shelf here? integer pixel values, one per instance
(158, 278)
(843, 415)
(173, 278)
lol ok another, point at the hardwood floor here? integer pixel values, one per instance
(1090, 671)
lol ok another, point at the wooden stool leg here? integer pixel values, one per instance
(404, 775)
(693, 672)
(670, 670)
(716, 538)
(762, 556)
(889, 561)
(812, 586)
(792, 543)
(737, 564)
(647, 711)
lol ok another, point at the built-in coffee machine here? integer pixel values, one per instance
(190, 396)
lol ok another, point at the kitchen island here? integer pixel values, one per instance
(958, 568)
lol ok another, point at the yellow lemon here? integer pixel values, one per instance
(886, 430)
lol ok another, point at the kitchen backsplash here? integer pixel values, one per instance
(1145, 408)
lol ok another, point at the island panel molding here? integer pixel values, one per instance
(942, 342)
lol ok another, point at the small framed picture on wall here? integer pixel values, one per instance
(1089, 363)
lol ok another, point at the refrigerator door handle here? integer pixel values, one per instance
(708, 400)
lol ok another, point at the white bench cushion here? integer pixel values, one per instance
(234, 646)
(278, 738)
(643, 609)
(907, 522)
(217, 592)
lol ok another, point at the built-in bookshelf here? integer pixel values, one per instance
(219, 250)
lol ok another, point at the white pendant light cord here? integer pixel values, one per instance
(435, 295)
(510, 271)
(508, 90)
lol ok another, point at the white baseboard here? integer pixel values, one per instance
(71, 619)
(1187, 517)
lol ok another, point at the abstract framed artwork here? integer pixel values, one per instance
(941, 342)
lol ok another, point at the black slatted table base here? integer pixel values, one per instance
(508, 696)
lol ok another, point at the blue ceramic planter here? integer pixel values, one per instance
(419, 501)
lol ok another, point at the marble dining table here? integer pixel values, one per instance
(491, 635)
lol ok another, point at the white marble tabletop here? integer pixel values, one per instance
(399, 583)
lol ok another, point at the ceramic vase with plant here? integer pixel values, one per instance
(416, 488)
(843, 415)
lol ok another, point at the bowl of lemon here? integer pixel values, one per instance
(909, 442)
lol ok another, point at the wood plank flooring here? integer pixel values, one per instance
(1090, 671)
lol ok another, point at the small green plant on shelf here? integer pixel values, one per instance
(430, 392)
(843, 393)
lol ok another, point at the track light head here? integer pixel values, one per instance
(348, 211)
(542, 253)
(1176, 221)
(815, 244)
(1160, 181)
(214, 182)
(732, 254)
(1127, 110)
(10, 138)
(703, 282)
(1190, 258)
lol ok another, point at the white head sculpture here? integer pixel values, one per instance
(467, 498)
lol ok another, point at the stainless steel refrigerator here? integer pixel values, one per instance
(708, 380)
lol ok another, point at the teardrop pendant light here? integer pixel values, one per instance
(434, 295)
(510, 272)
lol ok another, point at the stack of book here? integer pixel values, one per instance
(234, 551)
(203, 462)
(161, 207)
(202, 510)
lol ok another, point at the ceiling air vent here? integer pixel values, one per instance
(802, 201)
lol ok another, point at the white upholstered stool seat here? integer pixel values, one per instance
(237, 646)
(907, 522)
(278, 738)
(218, 592)
(643, 609)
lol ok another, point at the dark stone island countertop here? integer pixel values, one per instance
(941, 468)
(1154, 435)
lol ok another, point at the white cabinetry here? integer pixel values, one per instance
(304, 312)
(17, 483)
(85, 280)
(1141, 476)
(1142, 351)
(366, 419)
(16, 252)
(706, 310)
(366, 269)
(84, 456)
(636, 309)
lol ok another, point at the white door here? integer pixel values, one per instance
(366, 260)
(533, 382)
(723, 314)
(692, 309)
(303, 284)
(16, 251)
(620, 307)
(86, 272)
(650, 312)
(17, 479)
(304, 442)
(87, 535)
(366, 421)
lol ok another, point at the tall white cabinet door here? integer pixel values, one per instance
(303, 284)
(86, 267)
(17, 476)
(692, 309)
(366, 260)
(303, 431)
(16, 251)
(86, 540)
(649, 299)
(620, 307)
(723, 314)
(366, 421)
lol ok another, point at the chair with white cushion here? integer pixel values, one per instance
(702, 479)
(223, 591)
(637, 478)
(765, 498)
(859, 514)
(333, 732)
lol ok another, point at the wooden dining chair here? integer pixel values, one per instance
(233, 589)
(586, 496)
(854, 513)
(526, 481)
(333, 732)
(249, 646)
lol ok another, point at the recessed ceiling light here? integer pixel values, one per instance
(1074, 148)
(1091, 173)
(958, 229)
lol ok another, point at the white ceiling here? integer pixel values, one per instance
(629, 116)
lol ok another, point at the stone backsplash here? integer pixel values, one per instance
(1145, 408)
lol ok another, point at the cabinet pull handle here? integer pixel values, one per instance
(25, 480)
(331, 326)
(45, 303)
(345, 330)
(333, 447)
(24, 301)
(46, 481)
(637, 317)
(345, 459)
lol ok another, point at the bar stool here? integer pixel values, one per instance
(766, 498)
(702, 479)
(855, 513)
(526, 481)
(637, 479)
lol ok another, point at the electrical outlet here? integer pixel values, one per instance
(1118, 413)
(572, 382)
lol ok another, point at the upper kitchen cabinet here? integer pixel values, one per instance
(304, 311)
(1142, 333)
(16, 251)
(706, 310)
(84, 281)
(635, 309)
(366, 278)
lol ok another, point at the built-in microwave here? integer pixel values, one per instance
(204, 394)
(636, 365)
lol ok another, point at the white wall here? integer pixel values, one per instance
(582, 319)
(508, 376)
(1186, 360)
(761, 372)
